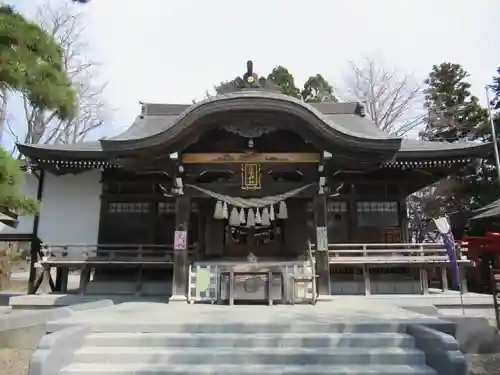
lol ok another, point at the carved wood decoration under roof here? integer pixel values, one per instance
(249, 81)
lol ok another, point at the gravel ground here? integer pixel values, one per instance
(14, 361)
(483, 364)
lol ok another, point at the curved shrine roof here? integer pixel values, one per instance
(339, 124)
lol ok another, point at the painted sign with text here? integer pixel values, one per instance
(180, 240)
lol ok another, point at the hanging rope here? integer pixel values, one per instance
(251, 202)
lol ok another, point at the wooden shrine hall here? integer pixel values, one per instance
(247, 195)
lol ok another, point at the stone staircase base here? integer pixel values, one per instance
(362, 348)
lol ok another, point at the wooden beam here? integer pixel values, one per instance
(249, 157)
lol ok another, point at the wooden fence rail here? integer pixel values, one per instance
(391, 253)
(83, 253)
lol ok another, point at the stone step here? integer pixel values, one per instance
(372, 326)
(262, 340)
(248, 356)
(155, 369)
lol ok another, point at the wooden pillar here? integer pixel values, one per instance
(444, 279)
(62, 279)
(424, 280)
(181, 265)
(84, 279)
(45, 287)
(366, 277)
(321, 254)
(58, 279)
(462, 279)
(34, 251)
(403, 214)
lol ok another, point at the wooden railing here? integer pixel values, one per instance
(391, 253)
(83, 253)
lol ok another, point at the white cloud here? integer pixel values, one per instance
(172, 51)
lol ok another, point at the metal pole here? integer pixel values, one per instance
(493, 133)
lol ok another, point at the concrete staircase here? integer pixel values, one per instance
(374, 348)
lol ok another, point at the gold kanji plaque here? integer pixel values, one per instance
(250, 176)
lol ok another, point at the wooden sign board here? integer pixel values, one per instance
(321, 239)
(180, 240)
(250, 157)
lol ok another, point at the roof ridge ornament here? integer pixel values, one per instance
(249, 81)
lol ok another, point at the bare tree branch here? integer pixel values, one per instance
(68, 28)
(392, 101)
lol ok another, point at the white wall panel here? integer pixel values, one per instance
(70, 208)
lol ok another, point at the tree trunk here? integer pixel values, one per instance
(3, 110)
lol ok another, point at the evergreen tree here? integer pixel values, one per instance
(496, 90)
(11, 180)
(32, 64)
(284, 79)
(317, 89)
(454, 113)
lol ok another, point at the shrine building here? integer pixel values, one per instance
(251, 179)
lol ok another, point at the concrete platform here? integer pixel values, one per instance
(449, 301)
(131, 316)
(47, 301)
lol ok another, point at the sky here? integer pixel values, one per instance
(172, 51)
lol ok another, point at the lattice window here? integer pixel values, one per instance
(128, 207)
(166, 208)
(336, 207)
(378, 214)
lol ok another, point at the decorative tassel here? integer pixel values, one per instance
(242, 216)
(272, 216)
(218, 212)
(225, 212)
(234, 219)
(265, 217)
(282, 211)
(258, 218)
(250, 218)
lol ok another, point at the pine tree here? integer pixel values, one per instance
(284, 79)
(32, 64)
(11, 180)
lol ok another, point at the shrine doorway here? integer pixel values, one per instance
(261, 241)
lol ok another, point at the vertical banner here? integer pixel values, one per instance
(180, 237)
(449, 243)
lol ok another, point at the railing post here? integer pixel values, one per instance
(424, 277)
(366, 273)
(444, 278)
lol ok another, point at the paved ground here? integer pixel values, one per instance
(181, 313)
(16, 361)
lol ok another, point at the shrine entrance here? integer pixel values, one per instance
(261, 241)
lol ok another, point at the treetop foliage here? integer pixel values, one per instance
(454, 113)
(32, 64)
(11, 180)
